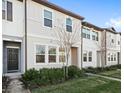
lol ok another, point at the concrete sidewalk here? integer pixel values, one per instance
(116, 79)
(16, 86)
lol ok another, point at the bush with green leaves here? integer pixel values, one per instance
(74, 72)
(101, 69)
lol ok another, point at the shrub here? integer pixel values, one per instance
(74, 72)
(30, 74)
(100, 69)
(33, 78)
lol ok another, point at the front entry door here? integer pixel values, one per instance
(12, 59)
(74, 55)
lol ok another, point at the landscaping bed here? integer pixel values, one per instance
(49, 76)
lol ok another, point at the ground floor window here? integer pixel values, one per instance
(52, 54)
(61, 55)
(85, 57)
(108, 56)
(40, 54)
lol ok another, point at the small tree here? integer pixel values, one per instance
(67, 39)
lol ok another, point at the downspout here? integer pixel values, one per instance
(25, 9)
(105, 48)
(81, 47)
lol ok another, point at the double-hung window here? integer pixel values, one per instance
(47, 18)
(40, 54)
(68, 25)
(108, 56)
(3, 9)
(7, 10)
(85, 57)
(61, 55)
(114, 57)
(90, 56)
(86, 33)
(52, 54)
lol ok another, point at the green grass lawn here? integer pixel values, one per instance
(83, 85)
(113, 73)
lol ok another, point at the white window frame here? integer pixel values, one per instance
(47, 18)
(69, 25)
(40, 54)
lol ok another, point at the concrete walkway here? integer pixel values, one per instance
(116, 79)
(16, 86)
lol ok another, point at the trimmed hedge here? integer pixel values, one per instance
(33, 78)
(100, 69)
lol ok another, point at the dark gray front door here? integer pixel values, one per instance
(12, 59)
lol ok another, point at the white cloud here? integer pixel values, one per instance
(114, 22)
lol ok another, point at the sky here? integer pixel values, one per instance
(102, 13)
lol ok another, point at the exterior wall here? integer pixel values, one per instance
(14, 30)
(93, 46)
(16, 27)
(42, 35)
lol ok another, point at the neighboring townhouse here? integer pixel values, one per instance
(91, 36)
(101, 46)
(113, 46)
(29, 39)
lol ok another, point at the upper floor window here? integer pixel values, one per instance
(47, 18)
(95, 36)
(7, 10)
(112, 40)
(40, 54)
(68, 25)
(3, 9)
(86, 33)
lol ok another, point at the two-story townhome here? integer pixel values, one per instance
(91, 38)
(113, 46)
(29, 39)
(101, 46)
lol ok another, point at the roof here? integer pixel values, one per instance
(91, 26)
(111, 30)
(60, 9)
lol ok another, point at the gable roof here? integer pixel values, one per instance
(60, 9)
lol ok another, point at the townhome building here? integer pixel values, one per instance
(101, 46)
(29, 39)
(32, 39)
(91, 36)
(113, 46)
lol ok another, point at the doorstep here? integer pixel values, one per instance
(13, 75)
